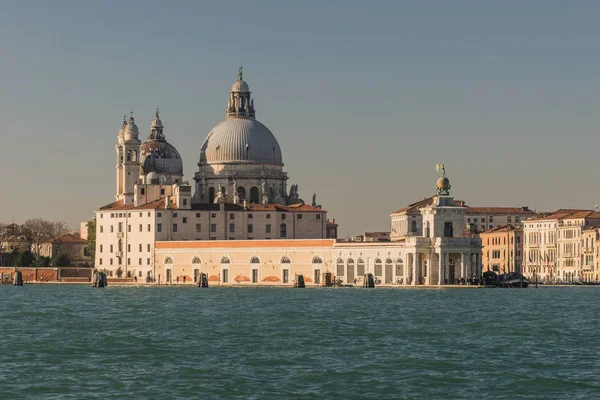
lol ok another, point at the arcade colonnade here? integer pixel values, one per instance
(279, 261)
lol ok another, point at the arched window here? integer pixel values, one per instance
(285, 260)
(317, 260)
(340, 267)
(224, 260)
(168, 260)
(135, 156)
(241, 194)
(350, 269)
(128, 155)
(282, 230)
(211, 195)
(399, 267)
(388, 262)
(254, 195)
(360, 267)
(196, 260)
(378, 267)
(254, 260)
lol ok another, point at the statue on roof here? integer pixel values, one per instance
(240, 73)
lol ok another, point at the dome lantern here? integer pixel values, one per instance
(240, 105)
(443, 183)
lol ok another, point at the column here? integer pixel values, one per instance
(463, 266)
(406, 281)
(446, 265)
(429, 269)
(414, 270)
(441, 257)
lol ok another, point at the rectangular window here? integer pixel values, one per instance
(143, 191)
(255, 276)
(140, 248)
(268, 228)
(250, 227)
(159, 215)
(268, 216)
(111, 261)
(148, 213)
(197, 215)
(162, 192)
(101, 215)
(318, 216)
(213, 215)
(231, 228)
(225, 276)
(129, 261)
(112, 215)
(141, 227)
(140, 263)
(174, 227)
(147, 261)
(111, 229)
(158, 227)
(128, 228)
(100, 248)
(250, 216)
(213, 227)
(140, 215)
(282, 216)
(174, 215)
(129, 248)
(100, 261)
(232, 216)
(299, 216)
(185, 220)
(149, 228)
(111, 248)
(101, 229)
(148, 246)
(185, 202)
(198, 227)
(129, 215)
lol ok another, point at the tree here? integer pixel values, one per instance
(58, 232)
(119, 272)
(37, 232)
(90, 248)
(25, 259)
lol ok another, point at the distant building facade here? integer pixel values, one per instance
(502, 249)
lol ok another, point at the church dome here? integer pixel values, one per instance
(157, 155)
(241, 140)
(160, 157)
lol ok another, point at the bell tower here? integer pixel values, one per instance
(128, 166)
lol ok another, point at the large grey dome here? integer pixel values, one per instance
(240, 141)
(159, 156)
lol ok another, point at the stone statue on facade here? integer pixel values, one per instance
(236, 197)
(294, 198)
(314, 202)
(221, 195)
(263, 193)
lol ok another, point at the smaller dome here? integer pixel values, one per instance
(160, 157)
(443, 183)
(240, 86)
(152, 178)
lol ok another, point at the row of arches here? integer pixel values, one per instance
(253, 260)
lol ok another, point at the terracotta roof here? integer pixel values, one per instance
(71, 238)
(502, 228)
(561, 214)
(415, 206)
(499, 210)
(153, 205)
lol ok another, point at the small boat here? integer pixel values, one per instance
(512, 280)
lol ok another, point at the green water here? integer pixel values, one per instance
(67, 341)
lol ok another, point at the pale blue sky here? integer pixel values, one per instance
(364, 97)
